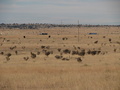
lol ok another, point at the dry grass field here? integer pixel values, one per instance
(29, 61)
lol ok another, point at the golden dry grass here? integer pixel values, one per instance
(95, 72)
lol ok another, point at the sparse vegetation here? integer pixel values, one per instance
(58, 57)
(25, 58)
(96, 42)
(59, 49)
(65, 38)
(11, 48)
(24, 36)
(74, 52)
(7, 58)
(1, 53)
(110, 40)
(43, 47)
(16, 52)
(79, 59)
(33, 55)
(39, 62)
(8, 54)
(67, 59)
(47, 53)
(38, 53)
(82, 53)
(66, 51)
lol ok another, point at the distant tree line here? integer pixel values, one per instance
(39, 25)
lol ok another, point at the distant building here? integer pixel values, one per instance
(43, 34)
(92, 33)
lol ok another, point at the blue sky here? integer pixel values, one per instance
(53, 11)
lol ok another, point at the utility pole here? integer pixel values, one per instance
(61, 26)
(78, 30)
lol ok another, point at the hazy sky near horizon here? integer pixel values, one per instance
(53, 11)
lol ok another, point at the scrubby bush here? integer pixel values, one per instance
(33, 55)
(79, 59)
(25, 58)
(66, 51)
(47, 53)
(58, 57)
